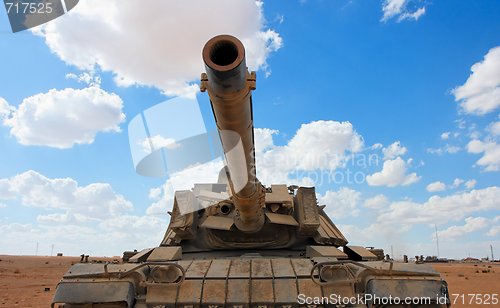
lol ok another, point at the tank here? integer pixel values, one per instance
(254, 245)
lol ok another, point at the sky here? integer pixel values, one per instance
(390, 108)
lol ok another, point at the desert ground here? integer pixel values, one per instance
(28, 281)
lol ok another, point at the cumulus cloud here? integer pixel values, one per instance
(470, 184)
(394, 150)
(319, 145)
(157, 43)
(402, 10)
(93, 219)
(377, 202)
(472, 224)
(491, 153)
(436, 186)
(393, 173)
(341, 203)
(494, 128)
(63, 118)
(442, 209)
(94, 201)
(480, 94)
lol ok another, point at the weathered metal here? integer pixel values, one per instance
(229, 85)
(255, 246)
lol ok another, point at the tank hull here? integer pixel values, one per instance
(236, 279)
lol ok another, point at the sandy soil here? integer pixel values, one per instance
(471, 284)
(27, 281)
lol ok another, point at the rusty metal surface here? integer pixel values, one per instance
(282, 268)
(165, 254)
(240, 269)
(359, 253)
(229, 86)
(238, 292)
(198, 269)
(95, 292)
(324, 251)
(141, 256)
(214, 292)
(273, 282)
(262, 291)
(281, 219)
(261, 268)
(285, 291)
(219, 269)
(218, 223)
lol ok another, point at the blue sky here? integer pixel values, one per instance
(403, 95)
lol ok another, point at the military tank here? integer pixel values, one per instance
(254, 245)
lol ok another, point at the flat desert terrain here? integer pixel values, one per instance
(27, 281)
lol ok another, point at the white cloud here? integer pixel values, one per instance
(394, 173)
(472, 224)
(442, 209)
(436, 186)
(494, 128)
(94, 201)
(63, 118)
(88, 78)
(401, 10)
(480, 94)
(156, 142)
(415, 15)
(470, 184)
(5, 109)
(394, 150)
(491, 153)
(341, 203)
(377, 202)
(495, 229)
(319, 145)
(155, 193)
(3, 205)
(157, 43)
(449, 149)
(445, 135)
(264, 139)
(457, 182)
(93, 219)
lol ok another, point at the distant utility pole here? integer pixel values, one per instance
(392, 253)
(437, 239)
(492, 257)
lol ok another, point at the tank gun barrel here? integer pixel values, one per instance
(229, 86)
